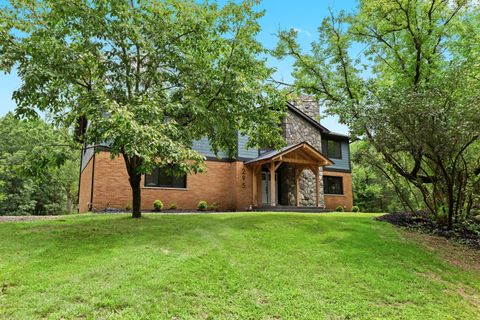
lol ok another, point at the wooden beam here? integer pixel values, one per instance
(302, 161)
(278, 165)
(312, 168)
(273, 201)
(304, 155)
(279, 156)
(297, 182)
(259, 163)
(259, 185)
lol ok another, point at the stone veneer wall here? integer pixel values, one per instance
(309, 106)
(297, 130)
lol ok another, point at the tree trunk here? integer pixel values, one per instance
(136, 195)
(469, 206)
(69, 203)
(450, 208)
(134, 177)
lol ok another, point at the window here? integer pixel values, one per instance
(332, 185)
(332, 149)
(160, 179)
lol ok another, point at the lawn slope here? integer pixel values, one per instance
(228, 266)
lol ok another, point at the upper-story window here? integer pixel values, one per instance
(332, 149)
(157, 178)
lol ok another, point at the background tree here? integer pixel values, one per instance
(375, 186)
(3, 196)
(68, 175)
(38, 168)
(412, 90)
(150, 76)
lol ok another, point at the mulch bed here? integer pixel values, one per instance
(26, 218)
(466, 232)
(165, 211)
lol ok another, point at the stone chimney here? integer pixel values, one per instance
(308, 105)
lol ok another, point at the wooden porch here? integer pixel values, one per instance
(301, 156)
(291, 209)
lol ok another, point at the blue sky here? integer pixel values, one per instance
(303, 15)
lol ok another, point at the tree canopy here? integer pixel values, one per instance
(411, 91)
(150, 77)
(38, 168)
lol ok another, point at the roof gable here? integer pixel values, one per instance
(323, 130)
(300, 152)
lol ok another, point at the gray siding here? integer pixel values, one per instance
(243, 151)
(87, 155)
(204, 148)
(344, 163)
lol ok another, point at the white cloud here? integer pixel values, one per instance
(301, 31)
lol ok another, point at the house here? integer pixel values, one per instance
(313, 170)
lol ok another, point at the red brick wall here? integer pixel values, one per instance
(244, 186)
(345, 200)
(85, 187)
(227, 183)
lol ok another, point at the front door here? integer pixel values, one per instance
(266, 188)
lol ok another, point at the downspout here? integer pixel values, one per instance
(93, 178)
(80, 179)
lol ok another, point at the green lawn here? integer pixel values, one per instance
(228, 266)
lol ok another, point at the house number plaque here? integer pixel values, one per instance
(244, 178)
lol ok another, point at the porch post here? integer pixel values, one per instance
(317, 185)
(273, 202)
(255, 190)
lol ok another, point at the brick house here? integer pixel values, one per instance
(313, 170)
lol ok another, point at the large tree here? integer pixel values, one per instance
(38, 168)
(150, 77)
(403, 75)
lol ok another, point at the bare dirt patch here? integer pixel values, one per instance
(464, 232)
(455, 253)
(468, 293)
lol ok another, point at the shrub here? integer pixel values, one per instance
(128, 207)
(158, 205)
(477, 219)
(202, 205)
(214, 206)
(173, 206)
(355, 209)
(339, 209)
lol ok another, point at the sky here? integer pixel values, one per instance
(303, 15)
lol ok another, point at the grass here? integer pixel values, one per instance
(226, 266)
